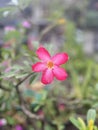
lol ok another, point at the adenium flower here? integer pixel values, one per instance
(50, 66)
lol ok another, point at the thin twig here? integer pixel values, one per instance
(46, 30)
(21, 101)
(5, 89)
(24, 79)
(29, 114)
(17, 88)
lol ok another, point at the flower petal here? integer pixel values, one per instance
(60, 58)
(47, 76)
(43, 54)
(60, 73)
(39, 66)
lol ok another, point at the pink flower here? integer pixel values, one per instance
(9, 28)
(26, 24)
(7, 69)
(18, 127)
(61, 107)
(3, 122)
(50, 66)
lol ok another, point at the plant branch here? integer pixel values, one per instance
(46, 30)
(17, 88)
(29, 114)
(5, 89)
(21, 101)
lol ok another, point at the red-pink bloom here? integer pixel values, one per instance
(50, 66)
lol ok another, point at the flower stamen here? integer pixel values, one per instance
(50, 64)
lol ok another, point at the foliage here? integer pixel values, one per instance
(80, 124)
(24, 100)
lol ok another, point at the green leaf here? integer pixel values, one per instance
(37, 107)
(8, 75)
(91, 115)
(29, 93)
(32, 78)
(38, 96)
(95, 105)
(18, 76)
(75, 122)
(26, 63)
(82, 124)
(17, 67)
(4, 9)
(10, 9)
(13, 34)
(10, 120)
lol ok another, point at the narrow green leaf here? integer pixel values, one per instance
(91, 115)
(21, 75)
(10, 120)
(82, 124)
(32, 78)
(75, 122)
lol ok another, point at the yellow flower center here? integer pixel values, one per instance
(50, 64)
(91, 124)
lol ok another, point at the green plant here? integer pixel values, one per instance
(90, 118)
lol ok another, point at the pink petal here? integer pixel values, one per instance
(59, 73)
(47, 76)
(43, 54)
(39, 66)
(60, 58)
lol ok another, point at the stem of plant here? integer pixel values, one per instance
(21, 101)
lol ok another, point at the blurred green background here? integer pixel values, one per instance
(69, 26)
